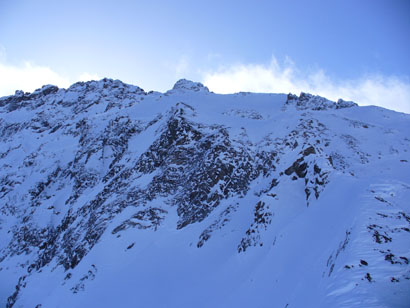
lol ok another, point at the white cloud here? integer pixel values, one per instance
(385, 91)
(28, 77)
(88, 77)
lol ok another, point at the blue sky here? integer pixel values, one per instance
(352, 49)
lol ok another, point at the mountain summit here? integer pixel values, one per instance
(114, 197)
(184, 84)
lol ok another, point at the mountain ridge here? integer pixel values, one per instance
(214, 183)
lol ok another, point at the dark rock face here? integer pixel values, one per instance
(262, 218)
(146, 219)
(192, 163)
(315, 179)
(298, 167)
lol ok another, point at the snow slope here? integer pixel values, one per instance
(114, 197)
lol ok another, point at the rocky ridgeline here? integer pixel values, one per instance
(306, 101)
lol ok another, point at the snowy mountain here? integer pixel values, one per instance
(114, 197)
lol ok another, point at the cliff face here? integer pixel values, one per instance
(111, 196)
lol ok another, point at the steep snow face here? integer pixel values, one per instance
(111, 196)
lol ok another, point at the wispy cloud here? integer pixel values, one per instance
(28, 77)
(385, 91)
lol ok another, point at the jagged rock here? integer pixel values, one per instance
(314, 102)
